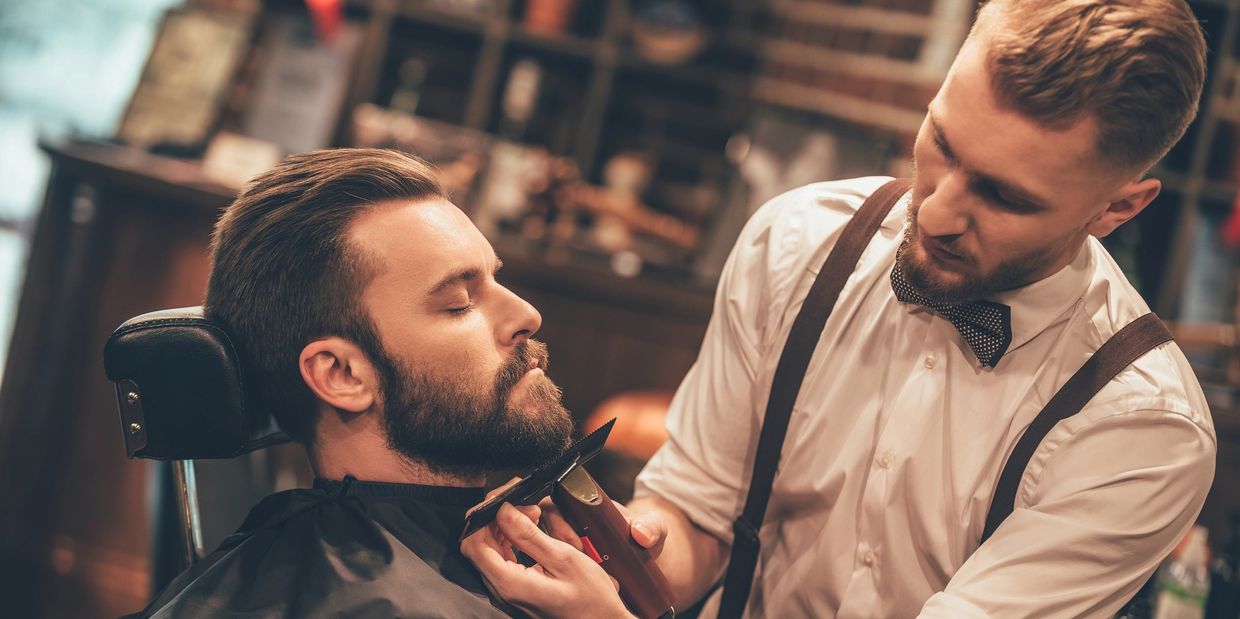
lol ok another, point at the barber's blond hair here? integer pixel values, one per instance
(1137, 66)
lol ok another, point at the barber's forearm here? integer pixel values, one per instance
(692, 559)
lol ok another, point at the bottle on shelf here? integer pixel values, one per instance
(1224, 600)
(408, 92)
(505, 190)
(1184, 580)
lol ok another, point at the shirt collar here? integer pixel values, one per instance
(1041, 304)
(350, 486)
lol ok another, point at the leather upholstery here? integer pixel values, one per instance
(181, 389)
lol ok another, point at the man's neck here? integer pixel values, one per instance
(368, 459)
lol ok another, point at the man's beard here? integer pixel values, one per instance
(459, 428)
(1009, 274)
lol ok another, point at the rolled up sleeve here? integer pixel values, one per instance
(712, 422)
(1113, 499)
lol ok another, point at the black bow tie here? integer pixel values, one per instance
(986, 326)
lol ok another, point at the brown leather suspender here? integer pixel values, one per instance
(794, 360)
(1127, 345)
(1134, 340)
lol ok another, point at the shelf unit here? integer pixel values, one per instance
(688, 110)
(1193, 187)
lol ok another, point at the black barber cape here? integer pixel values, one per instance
(341, 549)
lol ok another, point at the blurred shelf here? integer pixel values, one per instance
(177, 180)
(860, 17)
(1215, 3)
(1224, 400)
(670, 292)
(1173, 180)
(568, 45)
(431, 15)
(172, 184)
(1213, 190)
(690, 72)
(850, 63)
(1220, 191)
(854, 109)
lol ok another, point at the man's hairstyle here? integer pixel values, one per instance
(283, 272)
(1137, 66)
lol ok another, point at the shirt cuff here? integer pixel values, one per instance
(678, 480)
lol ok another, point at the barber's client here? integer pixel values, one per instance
(367, 308)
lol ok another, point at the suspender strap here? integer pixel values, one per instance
(793, 362)
(1130, 343)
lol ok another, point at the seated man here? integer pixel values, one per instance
(366, 307)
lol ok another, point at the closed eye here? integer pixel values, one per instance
(994, 195)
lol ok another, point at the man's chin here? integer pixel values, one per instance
(930, 280)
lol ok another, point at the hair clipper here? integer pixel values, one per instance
(605, 538)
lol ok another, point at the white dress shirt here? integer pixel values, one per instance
(898, 436)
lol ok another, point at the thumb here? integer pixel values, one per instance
(648, 530)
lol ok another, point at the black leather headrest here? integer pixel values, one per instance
(182, 390)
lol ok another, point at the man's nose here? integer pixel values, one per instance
(945, 212)
(521, 321)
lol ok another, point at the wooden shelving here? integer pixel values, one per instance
(1221, 18)
(599, 58)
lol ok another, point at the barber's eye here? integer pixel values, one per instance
(996, 197)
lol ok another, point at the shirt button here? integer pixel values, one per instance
(867, 558)
(929, 362)
(886, 460)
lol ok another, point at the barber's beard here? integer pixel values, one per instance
(457, 427)
(934, 282)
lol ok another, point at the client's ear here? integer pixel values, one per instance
(339, 374)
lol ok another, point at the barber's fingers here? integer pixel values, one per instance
(553, 522)
(490, 538)
(563, 583)
(532, 512)
(486, 547)
(555, 556)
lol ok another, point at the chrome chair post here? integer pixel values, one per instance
(187, 504)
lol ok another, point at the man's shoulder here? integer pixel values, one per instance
(1162, 379)
(800, 224)
(827, 201)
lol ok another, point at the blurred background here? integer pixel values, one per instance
(610, 149)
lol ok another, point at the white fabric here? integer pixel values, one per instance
(899, 434)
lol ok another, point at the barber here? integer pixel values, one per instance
(979, 295)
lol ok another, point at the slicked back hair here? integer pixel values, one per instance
(1137, 66)
(284, 274)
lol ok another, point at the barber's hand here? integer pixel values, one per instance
(647, 528)
(564, 583)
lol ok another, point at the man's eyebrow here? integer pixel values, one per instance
(977, 179)
(460, 277)
(941, 141)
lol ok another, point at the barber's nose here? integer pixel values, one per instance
(945, 212)
(521, 322)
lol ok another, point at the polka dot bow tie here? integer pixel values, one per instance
(986, 326)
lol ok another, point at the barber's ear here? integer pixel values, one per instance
(1132, 199)
(339, 374)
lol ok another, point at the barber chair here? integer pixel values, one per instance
(183, 396)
